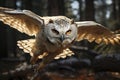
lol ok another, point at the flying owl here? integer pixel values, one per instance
(53, 35)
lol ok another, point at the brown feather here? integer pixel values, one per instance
(93, 31)
(24, 20)
(27, 45)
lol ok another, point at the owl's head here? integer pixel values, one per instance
(61, 31)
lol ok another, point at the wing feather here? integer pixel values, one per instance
(93, 31)
(27, 45)
(24, 21)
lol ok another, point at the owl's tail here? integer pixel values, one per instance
(27, 45)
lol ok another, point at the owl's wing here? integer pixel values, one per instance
(93, 31)
(66, 52)
(27, 45)
(24, 21)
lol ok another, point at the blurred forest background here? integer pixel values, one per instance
(105, 12)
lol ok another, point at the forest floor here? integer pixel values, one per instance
(10, 64)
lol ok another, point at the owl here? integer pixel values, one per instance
(53, 35)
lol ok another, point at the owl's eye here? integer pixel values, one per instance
(68, 32)
(55, 31)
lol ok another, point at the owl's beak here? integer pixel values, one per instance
(62, 38)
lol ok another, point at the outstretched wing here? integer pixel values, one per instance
(27, 45)
(23, 20)
(93, 31)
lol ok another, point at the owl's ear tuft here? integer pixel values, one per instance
(50, 21)
(72, 21)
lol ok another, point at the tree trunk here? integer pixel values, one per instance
(2, 3)
(55, 7)
(3, 36)
(89, 10)
(119, 10)
(81, 10)
(114, 9)
(61, 7)
(3, 41)
(27, 4)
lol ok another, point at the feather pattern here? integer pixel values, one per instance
(27, 45)
(24, 21)
(93, 31)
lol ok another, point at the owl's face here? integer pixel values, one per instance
(61, 32)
